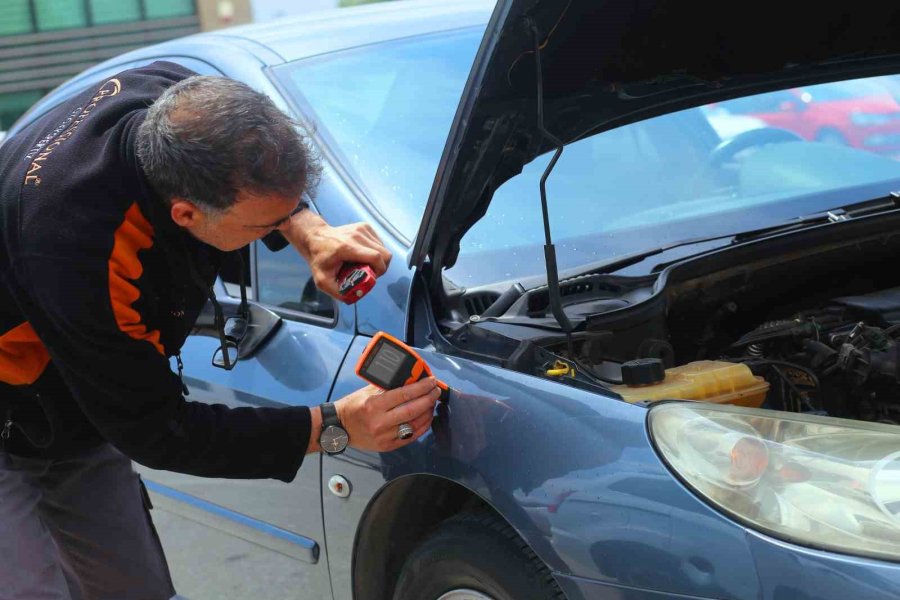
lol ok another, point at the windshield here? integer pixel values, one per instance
(386, 110)
(672, 178)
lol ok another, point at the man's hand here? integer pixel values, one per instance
(372, 416)
(327, 248)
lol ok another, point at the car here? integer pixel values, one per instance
(673, 353)
(861, 113)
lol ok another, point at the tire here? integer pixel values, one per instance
(477, 553)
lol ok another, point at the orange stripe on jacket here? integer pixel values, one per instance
(23, 356)
(133, 235)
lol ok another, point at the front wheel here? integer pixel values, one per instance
(475, 556)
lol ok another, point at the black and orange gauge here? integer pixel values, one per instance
(388, 363)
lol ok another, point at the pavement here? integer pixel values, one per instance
(207, 564)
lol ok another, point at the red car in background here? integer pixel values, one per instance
(860, 113)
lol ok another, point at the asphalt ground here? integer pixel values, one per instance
(207, 564)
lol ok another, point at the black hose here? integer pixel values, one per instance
(783, 363)
(892, 329)
(776, 330)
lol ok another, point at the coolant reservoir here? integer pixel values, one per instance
(708, 380)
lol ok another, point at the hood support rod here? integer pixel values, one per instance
(549, 249)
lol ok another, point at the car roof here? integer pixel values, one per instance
(294, 38)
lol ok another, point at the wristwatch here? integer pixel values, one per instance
(333, 438)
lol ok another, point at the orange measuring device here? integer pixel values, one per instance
(388, 363)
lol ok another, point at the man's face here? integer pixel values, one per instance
(248, 219)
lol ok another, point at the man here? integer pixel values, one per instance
(114, 219)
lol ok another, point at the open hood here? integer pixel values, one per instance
(607, 63)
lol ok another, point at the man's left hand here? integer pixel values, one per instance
(328, 248)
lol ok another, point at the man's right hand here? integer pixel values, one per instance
(372, 416)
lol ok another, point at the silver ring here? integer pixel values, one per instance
(404, 431)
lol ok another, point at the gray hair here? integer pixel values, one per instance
(207, 138)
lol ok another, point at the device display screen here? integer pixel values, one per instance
(386, 363)
(388, 366)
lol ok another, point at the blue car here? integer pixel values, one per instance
(671, 331)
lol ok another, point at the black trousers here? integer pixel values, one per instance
(78, 529)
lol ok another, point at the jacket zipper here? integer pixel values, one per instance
(7, 426)
(184, 387)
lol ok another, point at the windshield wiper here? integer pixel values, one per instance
(834, 215)
(620, 262)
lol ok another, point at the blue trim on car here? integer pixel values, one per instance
(219, 511)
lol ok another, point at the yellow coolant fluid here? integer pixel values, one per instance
(707, 380)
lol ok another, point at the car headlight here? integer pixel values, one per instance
(861, 118)
(817, 481)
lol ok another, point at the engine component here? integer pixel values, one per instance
(828, 359)
(880, 308)
(712, 381)
(643, 371)
(777, 330)
(661, 349)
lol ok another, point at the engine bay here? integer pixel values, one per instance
(841, 358)
(815, 316)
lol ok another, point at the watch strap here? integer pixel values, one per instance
(329, 415)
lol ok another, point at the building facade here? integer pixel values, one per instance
(44, 42)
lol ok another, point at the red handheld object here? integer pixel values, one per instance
(388, 363)
(354, 282)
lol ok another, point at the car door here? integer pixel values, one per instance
(269, 534)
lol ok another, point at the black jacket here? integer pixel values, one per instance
(99, 288)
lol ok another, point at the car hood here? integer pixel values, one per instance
(607, 63)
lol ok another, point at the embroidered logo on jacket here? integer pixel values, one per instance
(47, 145)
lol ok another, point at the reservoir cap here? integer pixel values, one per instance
(643, 371)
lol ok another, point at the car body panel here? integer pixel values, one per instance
(516, 441)
(789, 571)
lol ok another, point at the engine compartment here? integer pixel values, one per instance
(822, 329)
(841, 358)
(814, 314)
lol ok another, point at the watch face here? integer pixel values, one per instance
(333, 439)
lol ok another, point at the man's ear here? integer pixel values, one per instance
(184, 212)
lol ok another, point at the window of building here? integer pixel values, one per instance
(59, 14)
(161, 9)
(115, 11)
(30, 16)
(15, 17)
